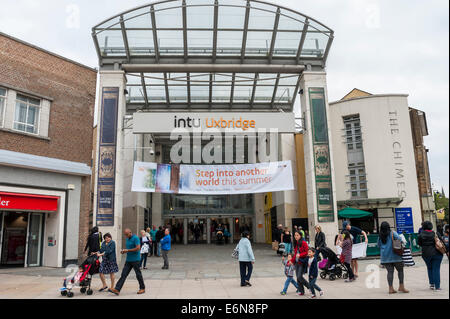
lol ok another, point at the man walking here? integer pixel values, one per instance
(165, 247)
(133, 252)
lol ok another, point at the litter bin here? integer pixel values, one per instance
(372, 245)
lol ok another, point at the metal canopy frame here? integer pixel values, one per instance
(164, 39)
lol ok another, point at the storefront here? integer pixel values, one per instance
(23, 224)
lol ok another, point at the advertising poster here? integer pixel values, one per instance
(213, 179)
(404, 220)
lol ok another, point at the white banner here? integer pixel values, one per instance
(358, 250)
(213, 179)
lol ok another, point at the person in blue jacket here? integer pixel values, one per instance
(389, 259)
(165, 247)
(246, 259)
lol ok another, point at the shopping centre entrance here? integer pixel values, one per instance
(189, 66)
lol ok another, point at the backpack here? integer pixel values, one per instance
(235, 253)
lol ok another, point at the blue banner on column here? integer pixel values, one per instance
(107, 157)
(404, 220)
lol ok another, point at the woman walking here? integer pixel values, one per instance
(246, 259)
(346, 254)
(301, 262)
(389, 259)
(94, 241)
(286, 238)
(145, 248)
(109, 261)
(430, 254)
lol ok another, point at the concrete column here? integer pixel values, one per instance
(185, 231)
(208, 230)
(113, 79)
(231, 229)
(316, 80)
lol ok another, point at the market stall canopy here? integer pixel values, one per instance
(350, 212)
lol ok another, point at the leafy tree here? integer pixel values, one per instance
(441, 201)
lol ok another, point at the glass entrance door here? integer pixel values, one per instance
(34, 247)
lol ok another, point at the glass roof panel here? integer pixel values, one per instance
(263, 93)
(170, 42)
(287, 43)
(139, 18)
(156, 94)
(135, 94)
(315, 43)
(111, 43)
(140, 42)
(288, 79)
(133, 78)
(267, 79)
(290, 21)
(231, 17)
(200, 42)
(171, 17)
(178, 93)
(284, 94)
(199, 93)
(200, 16)
(242, 94)
(154, 79)
(229, 42)
(258, 43)
(261, 16)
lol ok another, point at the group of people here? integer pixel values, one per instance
(303, 259)
(152, 242)
(299, 259)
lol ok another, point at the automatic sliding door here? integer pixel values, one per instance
(34, 240)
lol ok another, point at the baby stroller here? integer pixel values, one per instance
(220, 238)
(82, 278)
(330, 265)
(281, 249)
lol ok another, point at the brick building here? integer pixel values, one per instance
(46, 115)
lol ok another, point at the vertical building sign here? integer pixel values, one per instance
(107, 157)
(321, 149)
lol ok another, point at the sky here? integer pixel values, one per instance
(380, 46)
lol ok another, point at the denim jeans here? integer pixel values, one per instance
(434, 269)
(287, 248)
(166, 258)
(143, 260)
(312, 285)
(301, 281)
(245, 268)
(126, 271)
(289, 280)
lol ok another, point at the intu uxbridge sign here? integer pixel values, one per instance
(242, 122)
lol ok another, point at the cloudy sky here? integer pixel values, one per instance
(389, 46)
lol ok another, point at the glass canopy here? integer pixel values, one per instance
(212, 32)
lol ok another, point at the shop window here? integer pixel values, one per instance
(2, 105)
(26, 117)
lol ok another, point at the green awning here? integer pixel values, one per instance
(350, 212)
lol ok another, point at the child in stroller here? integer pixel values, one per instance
(330, 265)
(82, 279)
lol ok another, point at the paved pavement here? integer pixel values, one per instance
(201, 271)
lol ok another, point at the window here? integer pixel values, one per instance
(357, 181)
(26, 118)
(2, 105)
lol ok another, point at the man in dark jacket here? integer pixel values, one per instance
(94, 241)
(159, 235)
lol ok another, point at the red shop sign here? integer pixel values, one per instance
(29, 202)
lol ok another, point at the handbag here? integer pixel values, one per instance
(397, 245)
(439, 245)
(235, 253)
